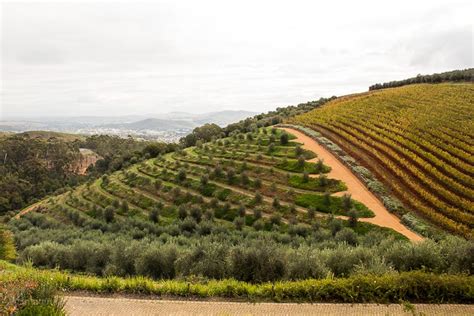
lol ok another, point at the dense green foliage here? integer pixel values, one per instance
(210, 132)
(414, 286)
(273, 117)
(236, 188)
(451, 76)
(203, 133)
(118, 153)
(37, 164)
(7, 246)
(215, 250)
(31, 168)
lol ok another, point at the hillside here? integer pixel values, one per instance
(235, 208)
(167, 127)
(35, 164)
(155, 124)
(417, 139)
(50, 135)
(255, 184)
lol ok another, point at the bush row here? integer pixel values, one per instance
(254, 259)
(416, 286)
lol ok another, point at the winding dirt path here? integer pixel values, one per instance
(94, 306)
(355, 187)
(32, 207)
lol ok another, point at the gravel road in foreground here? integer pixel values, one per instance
(92, 306)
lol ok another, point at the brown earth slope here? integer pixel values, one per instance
(355, 187)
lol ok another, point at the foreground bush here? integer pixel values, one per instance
(22, 296)
(250, 256)
(415, 286)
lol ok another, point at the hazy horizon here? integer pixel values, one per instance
(147, 115)
(83, 58)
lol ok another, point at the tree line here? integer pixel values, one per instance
(210, 132)
(34, 167)
(466, 75)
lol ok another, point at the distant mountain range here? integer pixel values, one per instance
(182, 121)
(155, 124)
(173, 124)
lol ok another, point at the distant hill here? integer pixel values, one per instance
(223, 118)
(418, 139)
(155, 124)
(174, 124)
(184, 121)
(45, 135)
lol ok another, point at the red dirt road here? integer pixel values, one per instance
(30, 208)
(355, 187)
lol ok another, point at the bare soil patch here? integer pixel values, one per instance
(355, 187)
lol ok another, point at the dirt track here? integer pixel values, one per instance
(30, 208)
(355, 187)
(95, 306)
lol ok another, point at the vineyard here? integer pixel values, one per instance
(254, 206)
(417, 139)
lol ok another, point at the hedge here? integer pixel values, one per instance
(414, 286)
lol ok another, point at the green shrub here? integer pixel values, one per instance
(332, 204)
(207, 262)
(343, 260)
(306, 264)
(408, 256)
(239, 223)
(257, 264)
(7, 246)
(154, 215)
(157, 262)
(196, 213)
(347, 235)
(109, 214)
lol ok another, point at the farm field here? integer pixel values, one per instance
(247, 158)
(250, 171)
(254, 206)
(232, 193)
(254, 211)
(355, 187)
(417, 139)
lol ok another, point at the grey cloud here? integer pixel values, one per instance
(451, 48)
(98, 58)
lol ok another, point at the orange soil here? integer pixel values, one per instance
(31, 208)
(355, 187)
(87, 158)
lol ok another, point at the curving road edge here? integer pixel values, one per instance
(355, 187)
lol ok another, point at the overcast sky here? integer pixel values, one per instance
(110, 58)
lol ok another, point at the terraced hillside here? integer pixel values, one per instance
(230, 217)
(417, 139)
(236, 191)
(263, 172)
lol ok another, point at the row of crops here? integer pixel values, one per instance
(261, 176)
(418, 139)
